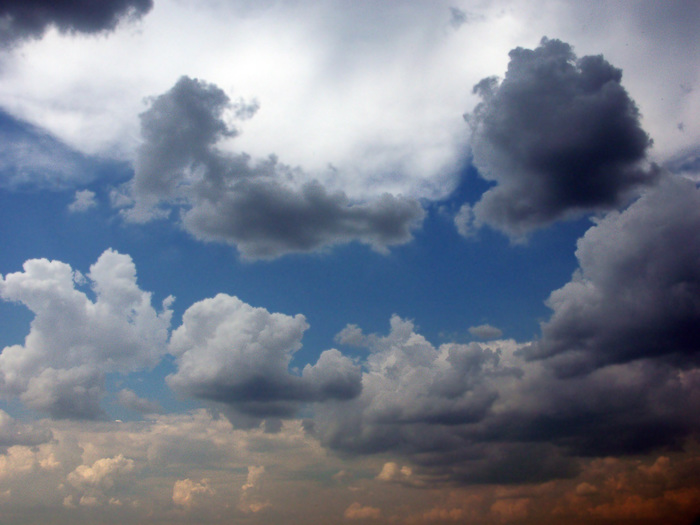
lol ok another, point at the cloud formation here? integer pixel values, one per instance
(22, 19)
(636, 293)
(257, 206)
(480, 413)
(559, 136)
(232, 353)
(74, 340)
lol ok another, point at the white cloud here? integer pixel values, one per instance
(74, 340)
(84, 201)
(186, 491)
(378, 92)
(230, 352)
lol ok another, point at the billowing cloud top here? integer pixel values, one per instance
(559, 136)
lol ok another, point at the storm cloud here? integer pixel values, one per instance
(636, 293)
(481, 413)
(259, 206)
(21, 19)
(559, 136)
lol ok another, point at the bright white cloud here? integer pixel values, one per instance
(375, 90)
(74, 340)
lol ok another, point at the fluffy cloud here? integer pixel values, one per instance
(357, 512)
(559, 135)
(636, 293)
(485, 331)
(129, 399)
(230, 352)
(256, 206)
(93, 483)
(480, 413)
(14, 433)
(21, 19)
(185, 491)
(73, 340)
(84, 200)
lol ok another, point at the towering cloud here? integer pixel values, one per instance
(559, 136)
(73, 340)
(257, 206)
(21, 19)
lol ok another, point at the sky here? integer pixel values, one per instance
(349, 262)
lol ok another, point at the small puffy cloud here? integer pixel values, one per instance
(357, 512)
(84, 200)
(256, 206)
(560, 136)
(21, 19)
(185, 491)
(74, 340)
(485, 331)
(93, 483)
(636, 293)
(232, 353)
(129, 399)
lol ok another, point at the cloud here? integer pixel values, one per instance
(14, 433)
(357, 512)
(636, 293)
(559, 136)
(185, 491)
(21, 19)
(227, 198)
(232, 353)
(251, 500)
(93, 483)
(84, 201)
(480, 413)
(73, 340)
(485, 331)
(129, 399)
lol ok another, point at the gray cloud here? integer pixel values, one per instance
(129, 399)
(636, 293)
(232, 353)
(21, 19)
(13, 433)
(256, 206)
(480, 413)
(486, 331)
(560, 136)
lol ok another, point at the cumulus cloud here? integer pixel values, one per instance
(14, 433)
(74, 340)
(485, 331)
(129, 399)
(480, 413)
(94, 483)
(357, 511)
(251, 499)
(256, 206)
(21, 19)
(559, 136)
(84, 201)
(230, 352)
(636, 293)
(185, 491)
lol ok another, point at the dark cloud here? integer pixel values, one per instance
(256, 206)
(559, 135)
(20, 19)
(479, 413)
(636, 293)
(232, 353)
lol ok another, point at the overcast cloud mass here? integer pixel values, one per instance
(349, 262)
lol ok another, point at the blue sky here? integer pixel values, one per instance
(331, 262)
